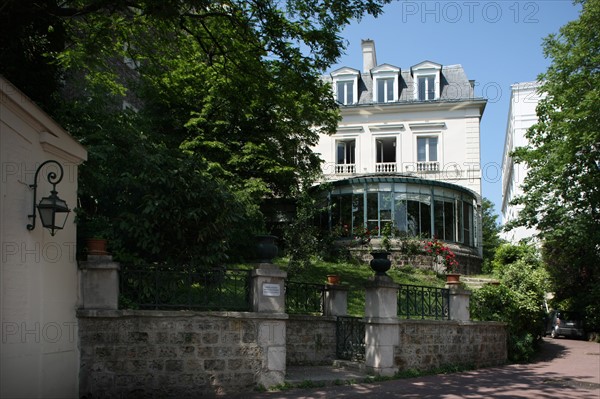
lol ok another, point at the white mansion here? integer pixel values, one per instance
(407, 151)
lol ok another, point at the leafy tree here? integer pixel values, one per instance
(562, 189)
(490, 231)
(229, 103)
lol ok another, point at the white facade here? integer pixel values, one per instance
(413, 132)
(385, 131)
(39, 355)
(521, 115)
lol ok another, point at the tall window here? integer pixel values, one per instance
(445, 220)
(345, 92)
(385, 90)
(345, 158)
(427, 149)
(426, 88)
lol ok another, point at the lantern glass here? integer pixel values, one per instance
(53, 212)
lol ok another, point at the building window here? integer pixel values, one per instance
(410, 212)
(427, 154)
(427, 80)
(386, 155)
(345, 92)
(345, 161)
(445, 220)
(385, 90)
(426, 88)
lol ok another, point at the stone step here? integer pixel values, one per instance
(477, 282)
(339, 373)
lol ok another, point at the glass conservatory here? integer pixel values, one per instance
(418, 207)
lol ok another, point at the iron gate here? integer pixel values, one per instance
(350, 338)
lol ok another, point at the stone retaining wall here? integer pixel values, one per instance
(162, 354)
(426, 345)
(311, 340)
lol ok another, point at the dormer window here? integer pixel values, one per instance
(427, 81)
(385, 83)
(345, 92)
(426, 88)
(345, 83)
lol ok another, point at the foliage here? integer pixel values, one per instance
(169, 207)
(517, 301)
(508, 253)
(490, 231)
(562, 188)
(388, 232)
(303, 239)
(574, 271)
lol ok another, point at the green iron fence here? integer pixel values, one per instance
(419, 302)
(304, 298)
(161, 287)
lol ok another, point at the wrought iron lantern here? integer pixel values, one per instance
(53, 210)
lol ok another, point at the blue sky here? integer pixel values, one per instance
(498, 43)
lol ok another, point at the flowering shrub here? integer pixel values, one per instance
(363, 234)
(442, 253)
(341, 231)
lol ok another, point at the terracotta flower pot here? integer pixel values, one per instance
(452, 278)
(96, 246)
(333, 279)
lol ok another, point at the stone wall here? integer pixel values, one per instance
(311, 340)
(181, 354)
(469, 263)
(427, 344)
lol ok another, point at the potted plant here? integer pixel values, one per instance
(333, 279)
(96, 230)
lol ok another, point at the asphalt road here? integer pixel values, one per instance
(564, 369)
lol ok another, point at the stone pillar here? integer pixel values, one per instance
(272, 340)
(268, 289)
(459, 303)
(268, 296)
(336, 300)
(99, 282)
(381, 329)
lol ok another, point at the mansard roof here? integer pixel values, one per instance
(454, 82)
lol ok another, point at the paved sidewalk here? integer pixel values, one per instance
(565, 369)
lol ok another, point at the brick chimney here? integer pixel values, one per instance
(369, 56)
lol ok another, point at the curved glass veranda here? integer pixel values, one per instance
(417, 207)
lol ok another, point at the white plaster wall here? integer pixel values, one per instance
(522, 115)
(39, 355)
(458, 143)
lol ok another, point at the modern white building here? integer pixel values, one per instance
(522, 115)
(407, 150)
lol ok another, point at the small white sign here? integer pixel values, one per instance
(271, 289)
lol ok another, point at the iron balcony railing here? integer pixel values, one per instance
(215, 289)
(304, 298)
(418, 302)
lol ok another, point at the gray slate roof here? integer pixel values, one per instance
(454, 81)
